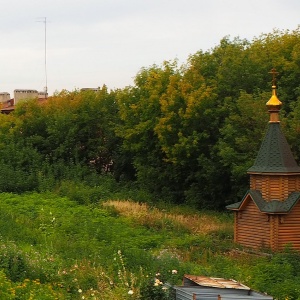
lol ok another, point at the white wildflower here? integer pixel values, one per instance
(157, 282)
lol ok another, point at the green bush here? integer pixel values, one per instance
(279, 277)
(28, 289)
(86, 192)
(154, 289)
(70, 247)
(12, 260)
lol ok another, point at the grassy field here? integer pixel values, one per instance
(52, 247)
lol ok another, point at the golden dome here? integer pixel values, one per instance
(274, 103)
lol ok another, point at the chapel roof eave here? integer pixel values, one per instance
(269, 207)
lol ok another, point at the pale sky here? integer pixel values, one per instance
(96, 42)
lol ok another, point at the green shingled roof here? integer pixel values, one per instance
(275, 155)
(274, 206)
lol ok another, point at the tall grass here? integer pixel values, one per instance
(142, 213)
(53, 247)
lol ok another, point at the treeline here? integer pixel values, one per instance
(185, 133)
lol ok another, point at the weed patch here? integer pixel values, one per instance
(152, 217)
(54, 247)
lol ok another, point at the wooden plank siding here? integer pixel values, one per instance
(274, 227)
(252, 227)
(275, 187)
(236, 215)
(258, 230)
(255, 182)
(289, 229)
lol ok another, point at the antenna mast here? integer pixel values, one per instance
(45, 62)
(46, 87)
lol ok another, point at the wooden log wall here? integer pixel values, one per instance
(252, 228)
(274, 227)
(275, 187)
(289, 229)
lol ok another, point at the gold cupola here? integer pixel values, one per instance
(274, 104)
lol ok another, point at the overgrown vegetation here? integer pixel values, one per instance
(184, 134)
(102, 191)
(52, 247)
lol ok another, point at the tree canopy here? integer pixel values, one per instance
(187, 133)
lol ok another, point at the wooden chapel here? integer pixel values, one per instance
(269, 214)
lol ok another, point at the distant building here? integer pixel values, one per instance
(4, 96)
(90, 89)
(42, 95)
(24, 94)
(8, 104)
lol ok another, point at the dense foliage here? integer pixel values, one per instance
(52, 247)
(186, 134)
(181, 135)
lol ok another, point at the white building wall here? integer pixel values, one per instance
(43, 95)
(25, 94)
(4, 96)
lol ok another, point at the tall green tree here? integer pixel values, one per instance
(71, 128)
(240, 139)
(139, 110)
(19, 161)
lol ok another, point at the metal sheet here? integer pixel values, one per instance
(217, 282)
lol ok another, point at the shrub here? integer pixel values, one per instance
(12, 260)
(279, 276)
(154, 289)
(85, 192)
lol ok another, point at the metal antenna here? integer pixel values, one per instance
(46, 78)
